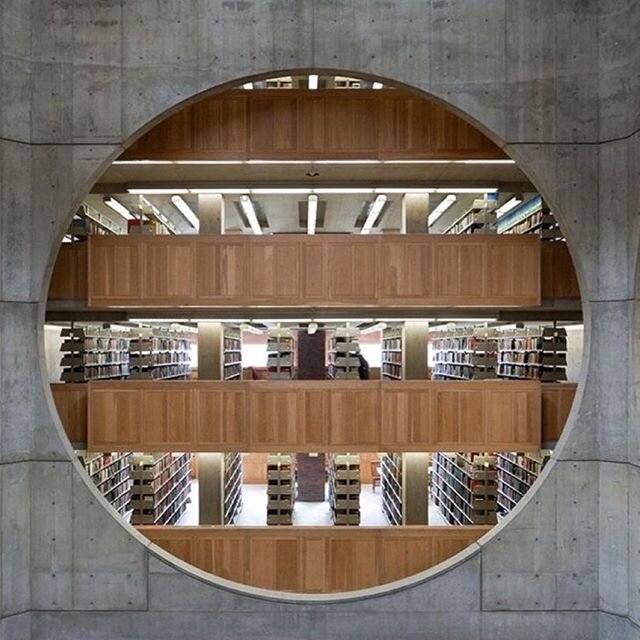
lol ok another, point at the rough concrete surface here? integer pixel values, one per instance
(556, 82)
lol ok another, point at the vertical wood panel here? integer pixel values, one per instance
(272, 125)
(406, 269)
(355, 415)
(274, 416)
(69, 277)
(353, 562)
(407, 422)
(459, 271)
(71, 403)
(221, 421)
(167, 417)
(559, 278)
(170, 270)
(115, 270)
(557, 400)
(221, 270)
(353, 270)
(115, 419)
(274, 270)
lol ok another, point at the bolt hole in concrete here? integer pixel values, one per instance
(310, 345)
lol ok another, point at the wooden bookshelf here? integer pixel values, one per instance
(280, 488)
(393, 354)
(232, 487)
(232, 354)
(465, 354)
(110, 473)
(538, 353)
(92, 353)
(161, 487)
(464, 487)
(344, 488)
(280, 354)
(516, 474)
(343, 354)
(391, 487)
(160, 354)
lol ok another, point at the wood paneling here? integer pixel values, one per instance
(71, 403)
(332, 271)
(115, 270)
(559, 277)
(557, 400)
(69, 277)
(415, 415)
(314, 559)
(324, 124)
(254, 468)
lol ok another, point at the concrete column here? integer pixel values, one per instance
(415, 213)
(416, 334)
(415, 487)
(211, 213)
(210, 465)
(210, 338)
(210, 492)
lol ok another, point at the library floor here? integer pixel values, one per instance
(254, 509)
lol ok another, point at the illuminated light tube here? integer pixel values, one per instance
(247, 86)
(441, 208)
(312, 328)
(510, 204)
(251, 329)
(379, 326)
(186, 211)
(250, 212)
(306, 190)
(208, 162)
(312, 83)
(312, 214)
(118, 207)
(377, 85)
(374, 212)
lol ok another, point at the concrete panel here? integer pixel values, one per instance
(26, 425)
(15, 98)
(273, 626)
(52, 103)
(525, 625)
(110, 567)
(15, 552)
(16, 627)
(518, 565)
(577, 534)
(51, 547)
(633, 567)
(612, 627)
(97, 32)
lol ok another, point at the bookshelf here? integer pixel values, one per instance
(538, 353)
(161, 483)
(344, 488)
(464, 487)
(232, 487)
(110, 473)
(516, 474)
(160, 354)
(280, 354)
(343, 358)
(231, 354)
(391, 487)
(393, 354)
(477, 219)
(532, 217)
(280, 488)
(465, 354)
(92, 353)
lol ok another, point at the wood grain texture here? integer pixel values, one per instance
(332, 271)
(324, 124)
(69, 277)
(314, 559)
(557, 400)
(558, 274)
(324, 416)
(71, 403)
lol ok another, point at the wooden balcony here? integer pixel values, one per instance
(264, 416)
(314, 559)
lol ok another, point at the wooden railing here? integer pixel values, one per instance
(294, 271)
(404, 427)
(314, 559)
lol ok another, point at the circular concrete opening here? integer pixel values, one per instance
(297, 155)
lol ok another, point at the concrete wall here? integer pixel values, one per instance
(554, 81)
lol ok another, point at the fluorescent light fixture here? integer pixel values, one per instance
(312, 328)
(283, 192)
(377, 85)
(248, 86)
(510, 204)
(208, 162)
(466, 190)
(312, 214)
(313, 82)
(466, 320)
(307, 190)
(278, 320)
(503, 161)
(186, 211)
(347, 161)
(251, 329)
(143, 162)
(374, 212)
(441, 208)
(380, 326)
(274, 161)
(118, 207)
(344, 320)
(250, 212)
